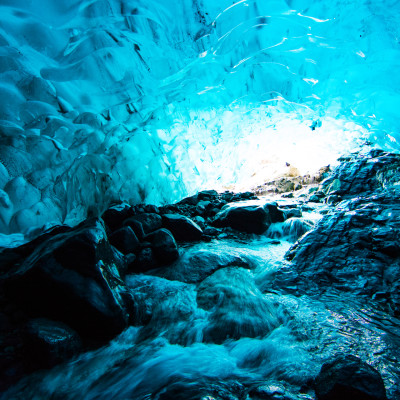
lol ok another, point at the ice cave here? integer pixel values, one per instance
(199, 199)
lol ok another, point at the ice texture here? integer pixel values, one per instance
(148, 101)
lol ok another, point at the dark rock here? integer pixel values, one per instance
(212, 212)
(288, 195)
(315, 199)
(202, 206)
(124, 239)
(354, 248)
(183, 228)
(275, 213)
(363, 174)
(136, 226)
(145, 261)
(115, 216)
(200, 221)
(245, 218)
(196, 263)
(204, 389)
(268, 392)
(293, 213)
(72, 277)
(48, 343)
(163, 245)
(212, 231)
(349, 378)
(333, 199)
(192, 200)
(130, 259)
(150, 221)
(150, 208)
(207, 195)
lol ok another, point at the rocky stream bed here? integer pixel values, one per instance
(220, 296)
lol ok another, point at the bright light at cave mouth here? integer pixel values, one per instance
(249, 147)
(137, 101)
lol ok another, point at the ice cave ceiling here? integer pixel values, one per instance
(138, 100)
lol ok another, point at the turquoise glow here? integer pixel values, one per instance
(149, 101)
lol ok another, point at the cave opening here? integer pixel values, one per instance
(199, 199)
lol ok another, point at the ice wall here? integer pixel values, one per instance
(137, 100)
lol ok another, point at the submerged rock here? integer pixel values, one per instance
(349, 378)
(237, 307)
(198, 262)
(48, 343)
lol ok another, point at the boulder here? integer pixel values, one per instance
(275, 213)
(353, 248)
(349, 378)
(124, 239)
(71, 277)
(198, 262)
(245, 218)
(164, 246)
(183, 228)
(150, 221)
(207, 195)
(136, 226)
(145, 261)
(115, 216)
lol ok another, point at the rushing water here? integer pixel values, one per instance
(234, 328)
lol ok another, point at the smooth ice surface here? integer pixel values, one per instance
(136, 100)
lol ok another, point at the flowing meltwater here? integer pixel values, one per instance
(275, 337)
(150, 101)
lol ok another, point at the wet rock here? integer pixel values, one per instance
(48, 343)
(293, 213)
(151, 208)
(205, 389)
(164, 246)
(212, 231)
(136, 226)
(207, 195)
(192, 200)
(275, 213)
(200, 221)
(354, 249)
(349, 378)
(145, 261)
(245, 218)
(202, 206)
(315, 199)
(196, 263)
(72, 277)
(150, 221)
(363, 174)
(183, 228)
(268, 392)
(115, 216)
(124, 239)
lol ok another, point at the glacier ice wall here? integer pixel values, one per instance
(136, 100)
